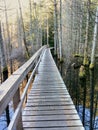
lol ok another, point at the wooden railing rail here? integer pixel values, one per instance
(10, 88)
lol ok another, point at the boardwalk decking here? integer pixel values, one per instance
(49, 106)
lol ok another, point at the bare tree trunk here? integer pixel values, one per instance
(84, 68)
(94, 41)
(0, 70)
(81, 22)
(24, 36)
(41, 35)
(55, 27)
(4, 41)
(44, 33)
(31, 28)
(55, 45)
(8, 36)
(11, 60)
(92, 85)
(35, 27)
(85, 62)
(19, 34)
(60, 43)
(47, 31)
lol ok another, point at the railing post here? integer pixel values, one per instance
(27, 77)
(16, 100)
(36, 63)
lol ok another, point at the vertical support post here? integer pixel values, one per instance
(35, 65)
(16, 100)
(27, 78)
(7, 115)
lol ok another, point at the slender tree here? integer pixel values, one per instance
(47, 30)
(8, 36)
(85, 61)
(24, 35)
(19, 33)
(92, 66)
(31, 28)
(60, 43)
(55, 27)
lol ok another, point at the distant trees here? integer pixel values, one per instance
(24, 35)
(78, 23)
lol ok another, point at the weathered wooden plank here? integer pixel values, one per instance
(49, 96)
(52, 124)
(48, 93)
(57, 128)
(51, 118)
(49, 105)
(50, 69)
(49, 108)
(47, 81)
(51, 79)
(46, 89)
(41, 103)
(49, 100)
(53, 112)
(50, 86)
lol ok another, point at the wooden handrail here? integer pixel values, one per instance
(9, 88)
(18, 110)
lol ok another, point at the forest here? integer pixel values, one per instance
(70, 27)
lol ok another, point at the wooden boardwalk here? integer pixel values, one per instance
(49, 106)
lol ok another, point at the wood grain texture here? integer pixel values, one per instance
(49, 106)
(57, 128)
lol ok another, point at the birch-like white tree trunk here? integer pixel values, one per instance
(24, 35)
(47, 30)
(81, 23)
(85, 61)
(55, 27)
(92, 76)
(35, 27)
(60, 40)
(54, 33)
(19, 34)
(94, 41)
(8, 32)
(31, 28)
(2, 53)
